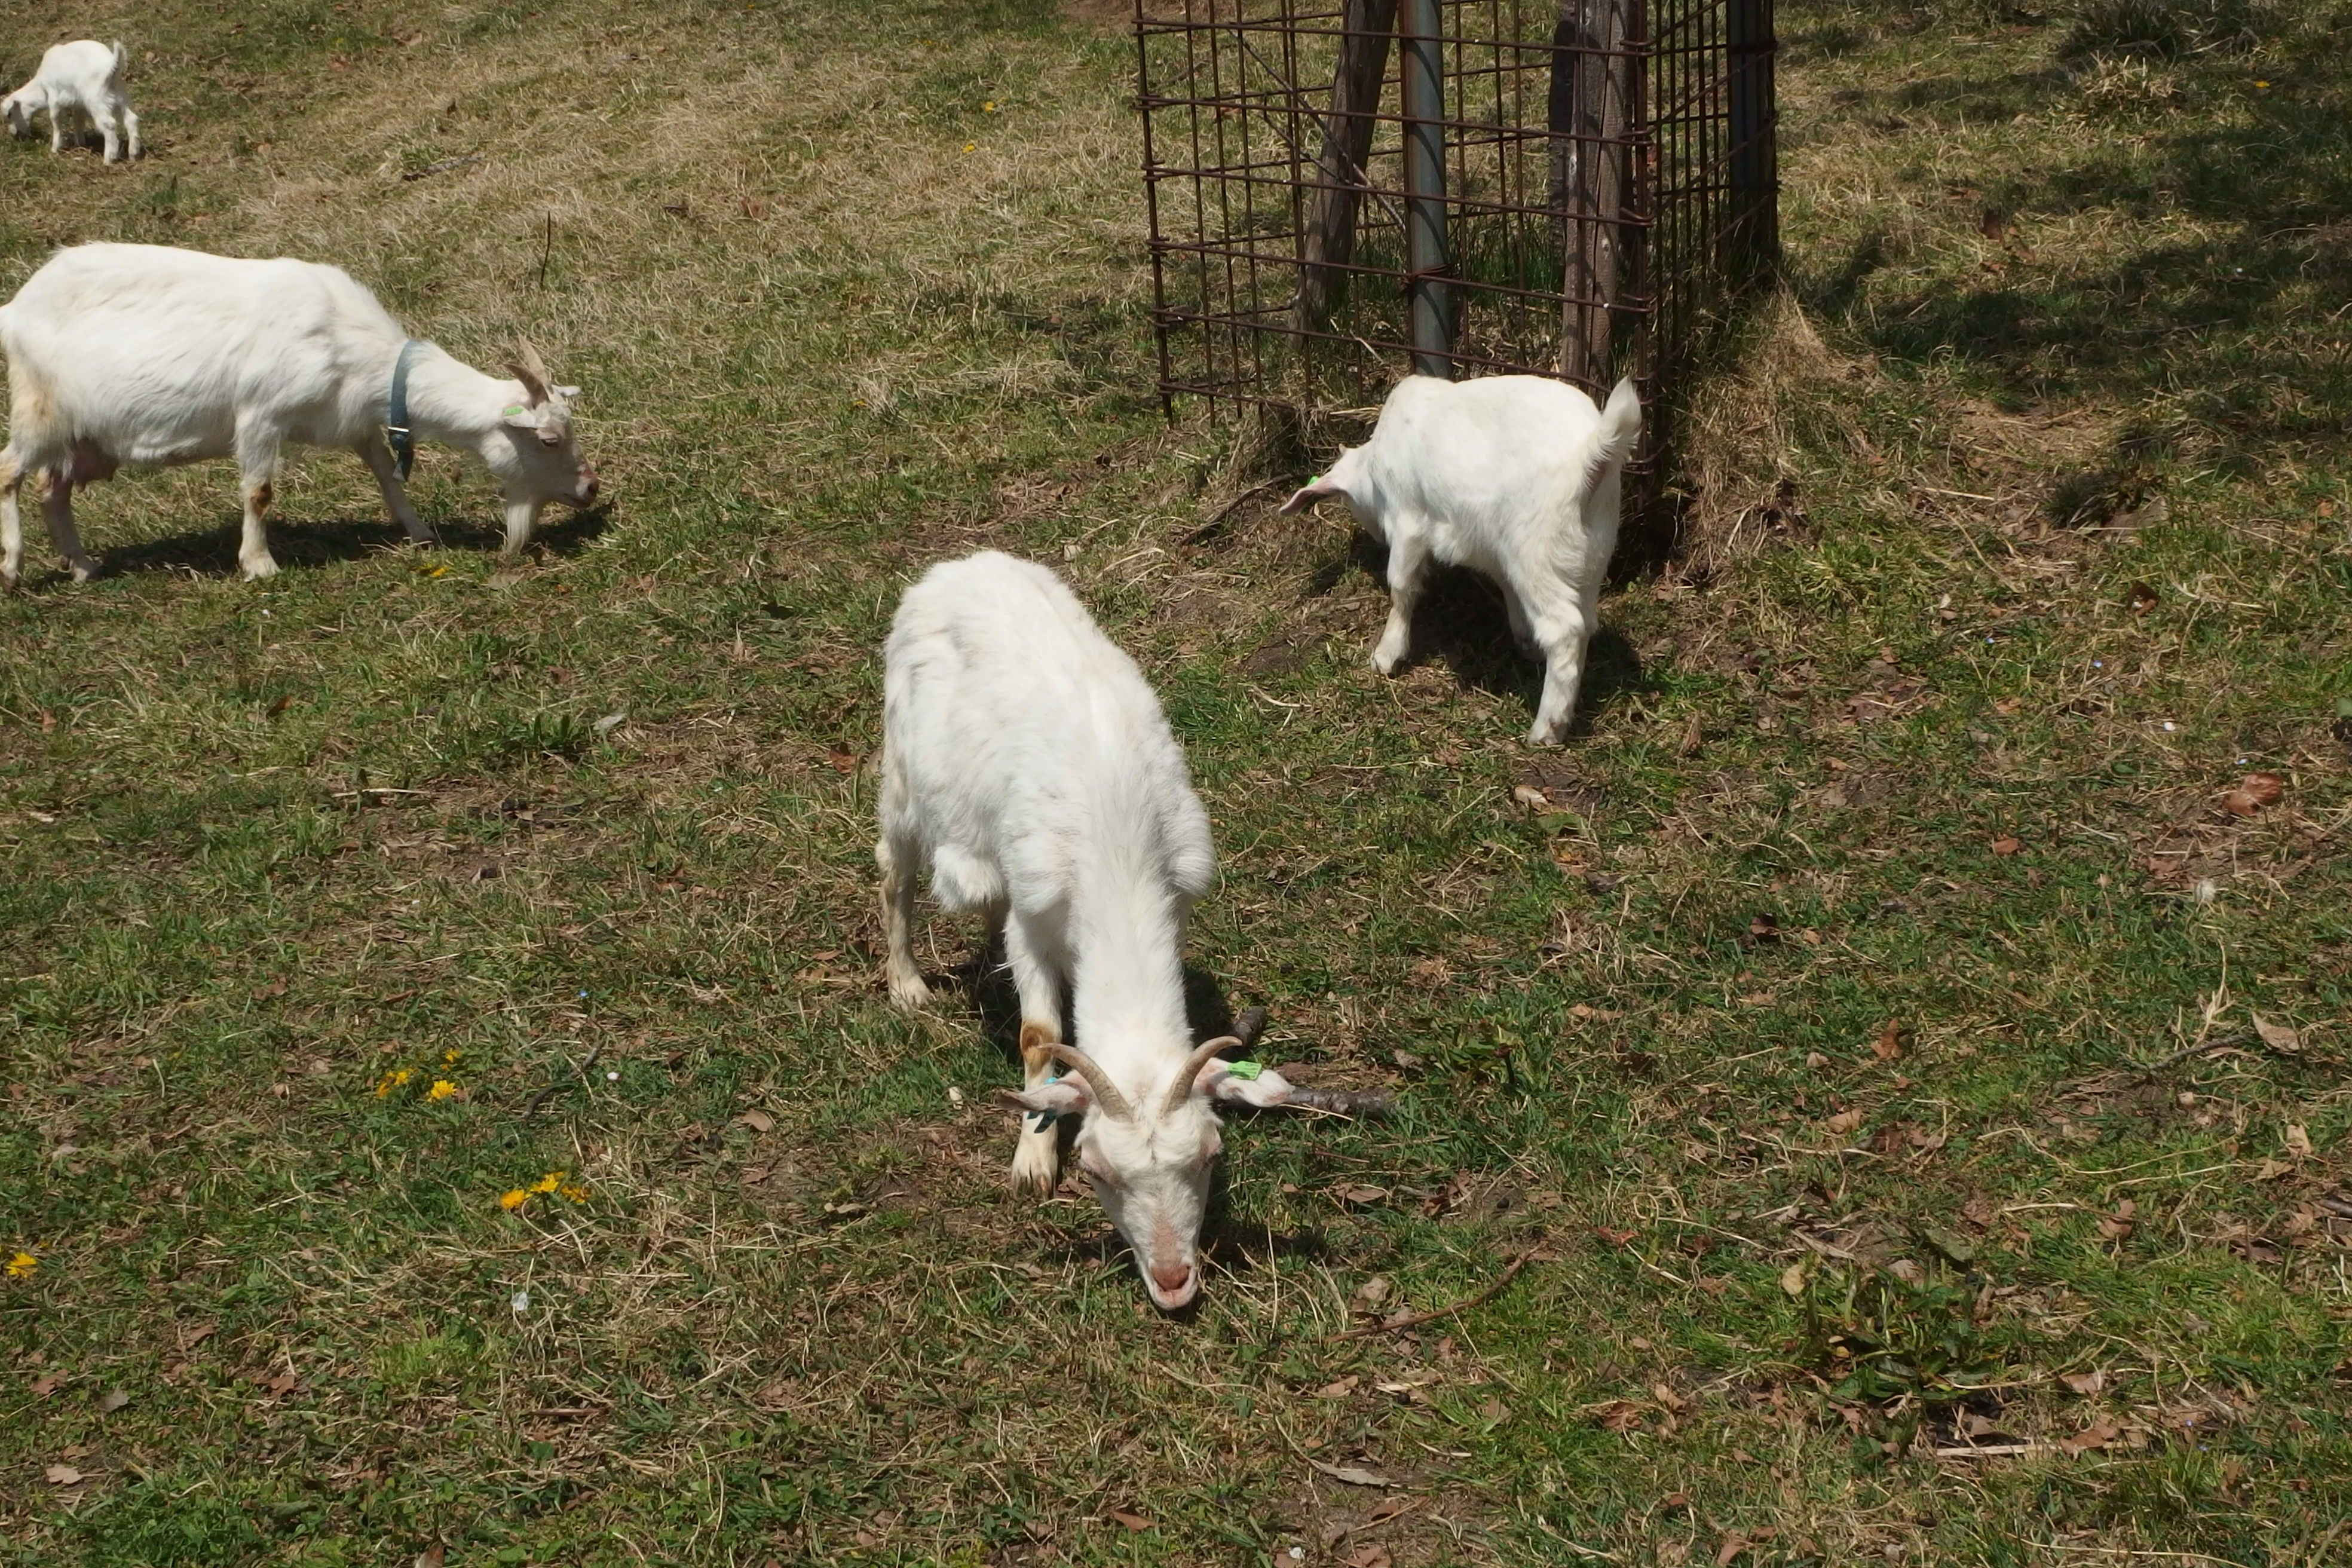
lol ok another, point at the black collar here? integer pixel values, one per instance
(396, 430)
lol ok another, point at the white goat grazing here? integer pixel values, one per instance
(141, 353)
(87, 77)
(1028, 767)
(1516, 476)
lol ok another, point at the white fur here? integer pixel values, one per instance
(85, 77)
(1517, 477)
(1027, 766)
(142, 353)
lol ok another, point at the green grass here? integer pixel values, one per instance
(2061, 326)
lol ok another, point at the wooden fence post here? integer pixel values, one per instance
(1328, 238)
(1592, 107)
(1754, 232)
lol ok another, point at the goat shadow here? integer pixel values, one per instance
(1461, 622)
(983, 978)
(311, 544)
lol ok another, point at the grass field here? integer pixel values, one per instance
(1793, 1025)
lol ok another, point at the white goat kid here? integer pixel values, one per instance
(1516, 476)
(1027, 766)
(86, 77)
(144, 354)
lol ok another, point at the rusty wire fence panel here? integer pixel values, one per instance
(1342, 190)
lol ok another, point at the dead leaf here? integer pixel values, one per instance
(1372, 1293)
(44, 1386)
(1339, 1390)
(2085, 1382)
(1369, 1555)
(1359, 1193)
(112, 1400)
(1622, 1415)
(2099, 1433)
(757, 1121)
(1888, 1046)
(1733, 1545)
(2254, 792)
(2297, 1140)
(1530, 797)
(1353, 1474)
(273, 988)
(1764, 928)
(1134, 1522)
(2119, 1225)
(1672, 1553)
(843, 762)
(1792, 1278)
(2007, 844)
(1844, 1122)
(1613, 1238)
(1669, 1398)
(2278, 1036)
(2272, 1170)
(431, 1557)
(2141, 598)
(754, 1175)
(62, 1476)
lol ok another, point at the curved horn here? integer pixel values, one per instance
(531, 372)
(1181, 1089)
(1106, 1093)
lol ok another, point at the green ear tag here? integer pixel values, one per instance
(511, 410)
(1245, 1070)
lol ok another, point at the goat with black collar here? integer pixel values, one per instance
(148, 354)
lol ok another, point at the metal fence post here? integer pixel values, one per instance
(1424, 187)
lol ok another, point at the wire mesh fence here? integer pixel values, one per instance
(1340, 190)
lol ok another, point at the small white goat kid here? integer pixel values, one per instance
(1517, 477)
(85, 77)
(142, 353)
(1028, 767)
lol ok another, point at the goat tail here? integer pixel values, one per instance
(121, 60)
(1613, 438)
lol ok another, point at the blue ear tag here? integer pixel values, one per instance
(1038, 1121)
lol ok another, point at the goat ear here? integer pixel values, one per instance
(1321, 490)
(1068, 1094)
(1266, 1089)
(567, 393)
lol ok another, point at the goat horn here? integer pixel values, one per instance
(532, 361)
(1181, 1089)
(1106, 1093)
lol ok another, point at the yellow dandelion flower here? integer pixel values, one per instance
(2262, 84)
(21, 1264)
(450, 1057)
(396, 1078)
(513, 1200)
(577, 1194)
(969, 146)
(548, 1183)
(989, 107)
(442, 1089)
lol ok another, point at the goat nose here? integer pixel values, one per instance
(1171, 1278)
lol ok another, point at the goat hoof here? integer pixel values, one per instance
(908, 991)
(260, 569)
(83, 571)
(1036, 1166)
